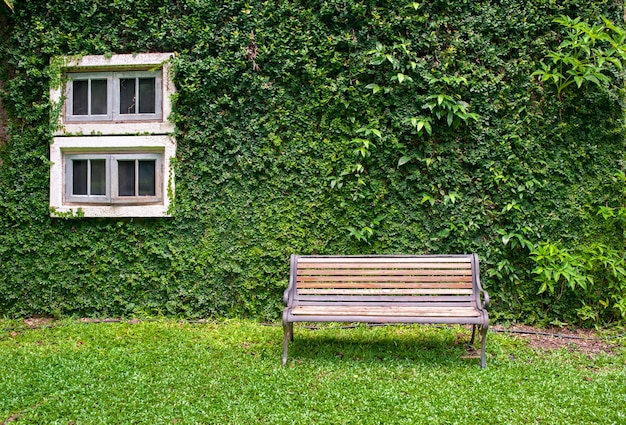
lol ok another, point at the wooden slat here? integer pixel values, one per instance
(374, 279)
(383, 265)
(385, 272)
(366, 291)
(397, 311)
(383, 304)
(385, 284)
(412, 299)
(374, 259)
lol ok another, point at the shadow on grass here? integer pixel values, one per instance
(424, 345)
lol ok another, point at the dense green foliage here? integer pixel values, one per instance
(179, 373)
(326, 127)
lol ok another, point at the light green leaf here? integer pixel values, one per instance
(403, 160)
(402, 78)
(375, 88)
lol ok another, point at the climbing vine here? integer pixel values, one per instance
(325, 127)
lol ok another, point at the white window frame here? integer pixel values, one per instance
(113, 96)
(68, 175)
(64, 149)
(118, 115)
(156, 65)
(112, 195)
(69, 103)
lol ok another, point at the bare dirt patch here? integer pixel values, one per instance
(586, 341)
(39, 322)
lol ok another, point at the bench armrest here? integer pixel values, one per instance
(286, 296)
(289, 292)
(485, 298)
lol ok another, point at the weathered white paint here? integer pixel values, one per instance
(112, 137)
(136, 144)
(145, 61)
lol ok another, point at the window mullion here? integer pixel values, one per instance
(113, 186)
(110, 96)
(108, 177)
(115, 95)
(136, 177)
(89, 177)
(137, 95)
(89, 97)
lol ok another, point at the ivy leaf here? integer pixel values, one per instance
(375, 88)
(403, 160)
(428, 128)
(377, 60)
(402, 78)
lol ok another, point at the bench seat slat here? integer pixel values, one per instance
(382, 284)
(442, 279)
(396, 311)
(383, 291)
(380, 265)
(384, 272)
(389, 304)
(385, 259)
(412, 299)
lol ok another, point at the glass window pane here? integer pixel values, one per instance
(80, 90)
(99, 97)
(147, 181)
(79, 177)
(127, 95)
(147, 96)
(98, 177)
(126, 177)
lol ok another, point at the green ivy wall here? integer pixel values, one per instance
(292, 121)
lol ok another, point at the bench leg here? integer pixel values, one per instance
(285, 346)
(287, 335)
(483, 343)
(473, 334)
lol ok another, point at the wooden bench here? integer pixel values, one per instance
(437, 289)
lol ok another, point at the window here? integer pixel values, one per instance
(89, 97)
(112, 176)
(113, 96)
(121, 94)
(112, 150)
(113, 179)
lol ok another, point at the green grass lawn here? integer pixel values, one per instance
(166, 372)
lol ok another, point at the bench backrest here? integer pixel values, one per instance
(443, 280)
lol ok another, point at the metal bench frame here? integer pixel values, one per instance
(437, 289)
